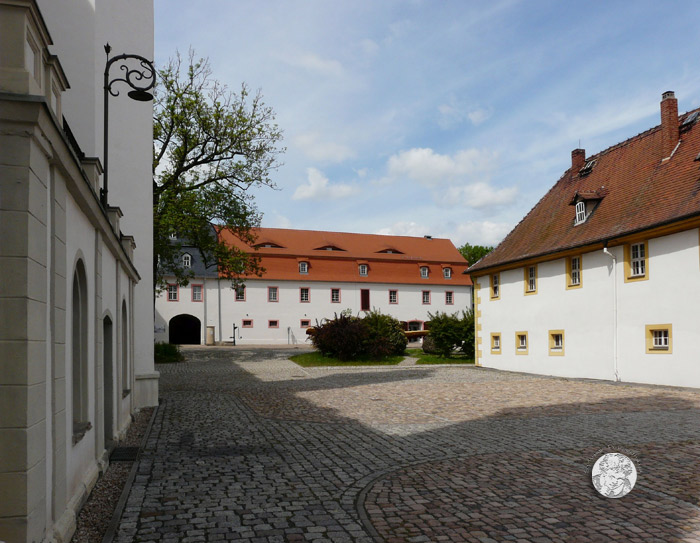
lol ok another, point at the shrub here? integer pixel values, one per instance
(429, 345)
(468, 333)
(166, 353)
(386, 336)
(446, 331)
(343, 337)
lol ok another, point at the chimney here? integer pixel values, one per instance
(669, 123)
(578, 159)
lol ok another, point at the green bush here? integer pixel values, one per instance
(386, 335)
(446, 331)
(468, 333)
(165, 353)
(429, 345)
(343, 337)
(375, 336)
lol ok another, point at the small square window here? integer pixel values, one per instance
(426, 297)
(272, 294)
(305, 323)
(247, 323)
(556, 343)
(364, 269)
(273, 324)
(303, 267)
(496, 343)
(393, 296)
(521, 344)
(304, 294)
(335, 295)
(659, 339)
(447, 273)
(449, 298)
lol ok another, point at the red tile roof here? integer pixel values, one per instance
(401, 266)
(636, 190)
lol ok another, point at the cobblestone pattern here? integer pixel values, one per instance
(249, 447)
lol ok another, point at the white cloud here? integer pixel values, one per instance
(476, 195)
(432, 169)
(478, 116)
(277, 221)
(316, 148)
(314, 63)
(318, 188)
(370, 47)
(454, 113)
(404, 228)
(479, 233)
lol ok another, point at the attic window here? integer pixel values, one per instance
(328, 248)
(580, 213)
(587, 167)
(689, 121)
(390, 252)
(268, 245)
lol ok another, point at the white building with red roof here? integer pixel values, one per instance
(311, 276)
(602, 278)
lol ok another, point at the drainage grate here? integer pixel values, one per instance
(124, 454)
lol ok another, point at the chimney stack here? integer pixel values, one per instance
(578, 159)
(669, 123)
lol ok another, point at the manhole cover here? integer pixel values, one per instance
(124, 454)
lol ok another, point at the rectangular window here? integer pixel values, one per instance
(364, 270)
(659, 338)
(573, 272)
(393, 296)
(304, 294)
(335, 295)
(273, 324)
(303, 267)
(580, 212)
(556, 343)
(272, 294)
(447, 273)
(196, 293)
(173, 293)
(496, 343)
(531, 279)
(426, 297)
(240, 293)
(305, 323)
(247, 323)
(424, 272)
(636, 261)
(364, 299)
(449, 298)
(495, 286)
(521, 346)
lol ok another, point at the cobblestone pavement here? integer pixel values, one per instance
(247, 446)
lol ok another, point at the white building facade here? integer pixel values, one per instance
(621, 305)
(297, 291)
(76, 341)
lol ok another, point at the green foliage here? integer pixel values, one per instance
(165, 353)
(375, 336)
(474, 253)
(446, 332)
(429, 345)
(468, 334)
(386, 335)
(210, 146)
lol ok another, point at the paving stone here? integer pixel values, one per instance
(245, 449)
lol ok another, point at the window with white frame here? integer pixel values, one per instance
(495, 342)
(660, 339)
(575, 273)
(638, 260)
(580, 212)
(272, 294)
(426, 297)
(449, 298)
(424, 272)
(531, 278)
(495, 286)
(303, 267)
(447, 273)
(186, 261)
(364, 269)
(240, 293)
(172, 293)
(304, 294)
(522, 342)
(196, 293)
(335, 295)
(393, 296)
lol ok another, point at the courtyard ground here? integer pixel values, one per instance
(248, 446)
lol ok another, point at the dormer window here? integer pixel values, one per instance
(303, 267)
(447, 273)
(364, 270)
(186, 261)
(587, 168)
(173, 235)
(424, 272)
(580, 212)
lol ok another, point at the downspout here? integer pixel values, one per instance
(615, 357)
(218, 289)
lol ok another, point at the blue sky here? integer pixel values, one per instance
(448, 118)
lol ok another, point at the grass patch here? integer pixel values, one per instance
(425, 358)
(316, 359)
(165, 353)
